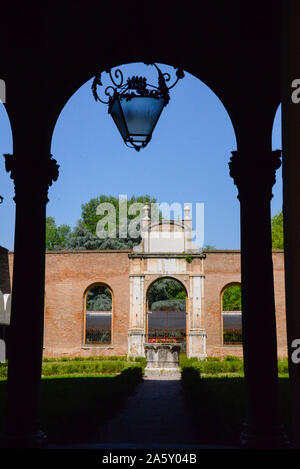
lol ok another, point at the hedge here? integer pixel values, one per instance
(229, 364)
(83, 366)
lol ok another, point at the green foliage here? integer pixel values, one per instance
(232, 336)
(277, 231)
(209, 247)
(190, 376)
(232, 298)
(184, 361)
(84, 367)
(140, 360)
(3, 370)
(231, 358)
(231, 366)
(131, 375)
(181, 295)
(283, 367)
(99, 299)
(168, 305)
(189, 258)
(84, 236)
(73, 407)
(92, 358)
(167, 293)
(214, 365)
(224, 396)
(56, 236)
(90, 217)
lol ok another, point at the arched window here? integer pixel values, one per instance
(98, 316)
(232, 314)
(166, 312)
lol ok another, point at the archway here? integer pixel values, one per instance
(85, 137)
(231, 310)
(224, 59)
(166, 312)
(98, 315)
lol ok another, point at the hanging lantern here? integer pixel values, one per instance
(136, 105)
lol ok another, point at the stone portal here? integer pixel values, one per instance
(151, 261)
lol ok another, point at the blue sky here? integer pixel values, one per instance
(186, 160)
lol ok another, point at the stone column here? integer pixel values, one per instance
(188, 233)
(32, 175)
(145, 229)
(196, 333)
(136, 333)
(254, 175)
(291, 197)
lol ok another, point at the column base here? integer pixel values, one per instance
(23, 441)
(264, 438)
(196, 344)
(136, 340)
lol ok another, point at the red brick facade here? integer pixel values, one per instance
(70, 274)
(221, 269)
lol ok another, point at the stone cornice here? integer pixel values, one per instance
(90, 251)
(121, 251)
(167, 255)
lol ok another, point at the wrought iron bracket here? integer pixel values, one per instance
(135, 86)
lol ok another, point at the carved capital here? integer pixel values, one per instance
(254, 175)
(32, 178)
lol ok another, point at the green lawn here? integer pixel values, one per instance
(217, 404)
(74, 406)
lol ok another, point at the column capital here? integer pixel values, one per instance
(254, 173)
(32, 177)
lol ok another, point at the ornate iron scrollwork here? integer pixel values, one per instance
(135, 86)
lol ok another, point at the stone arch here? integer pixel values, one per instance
(166, 276)
(69, 89)
(230, 55)
(167, 324)
(98, 324)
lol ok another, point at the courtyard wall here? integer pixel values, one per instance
(69, 274)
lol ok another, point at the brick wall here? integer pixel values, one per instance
(68, 277)
(221, 269)
(70, 274)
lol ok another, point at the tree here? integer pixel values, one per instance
(82, 238)
(89, 215)
(84, 234)
(167, 293)
(232, 298)
(56, 236)
(277, 231)
(99, 299)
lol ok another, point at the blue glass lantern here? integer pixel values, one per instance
(136, 106)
